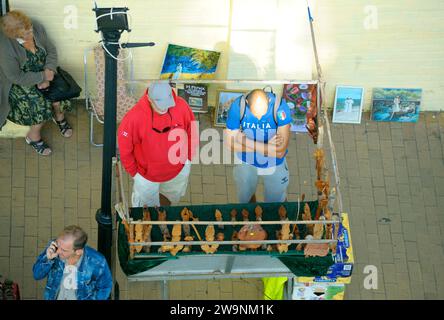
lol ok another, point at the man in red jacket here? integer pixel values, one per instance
(155, 143)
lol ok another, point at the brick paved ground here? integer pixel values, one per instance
(392, 184)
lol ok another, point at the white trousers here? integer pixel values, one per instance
(146, 192)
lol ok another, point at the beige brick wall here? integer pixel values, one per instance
(254, 46)
(270, 39)
(405, 50)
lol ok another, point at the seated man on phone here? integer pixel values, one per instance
(74, 270)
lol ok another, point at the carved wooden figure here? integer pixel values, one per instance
(209, 236)
(250, 232)
(258, 212)
(328, 227)
(146, 231)
(284, 233)
(320, 162)
(307, 216)
(218, 216)
(220, 236)
(162, 216)
(185, 215)
(138, 236)
(176, 236)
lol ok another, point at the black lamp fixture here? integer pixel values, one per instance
(111, 23)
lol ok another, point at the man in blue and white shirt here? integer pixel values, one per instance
(260, 137)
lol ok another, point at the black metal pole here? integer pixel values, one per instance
(103, 215)
(4, 7)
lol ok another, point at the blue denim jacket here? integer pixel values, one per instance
(94, 281)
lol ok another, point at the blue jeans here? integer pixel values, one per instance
(276, 181)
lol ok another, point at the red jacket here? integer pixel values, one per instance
(149, 153)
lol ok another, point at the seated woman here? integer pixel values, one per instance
(28, 62)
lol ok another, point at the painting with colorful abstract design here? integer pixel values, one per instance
(397, 105)
(299, 97)
(189, 63)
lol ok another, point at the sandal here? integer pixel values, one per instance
(63, 127)
(39, 146)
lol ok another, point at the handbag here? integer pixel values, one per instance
(62, 87)
(9, 290)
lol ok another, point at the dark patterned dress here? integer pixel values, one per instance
(28, 105)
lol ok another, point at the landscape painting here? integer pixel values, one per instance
(224, 100)
(189, 63)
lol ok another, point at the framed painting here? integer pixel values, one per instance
(396, 105)
(348, 104)
(299, 97)
(189, 63)
(224, 100)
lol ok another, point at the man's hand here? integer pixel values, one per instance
(240, 136)
(43, 85)
(51, 252)
(49, 75)
(276, 140)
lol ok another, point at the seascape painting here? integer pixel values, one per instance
(348, 104)
(397, 105)
(189, 63)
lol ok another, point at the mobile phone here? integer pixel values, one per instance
(55, 247)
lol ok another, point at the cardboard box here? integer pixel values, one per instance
(341, 270)
(318, 291)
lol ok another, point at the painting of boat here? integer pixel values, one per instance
(396, 105)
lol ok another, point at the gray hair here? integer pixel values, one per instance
(80, 237)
